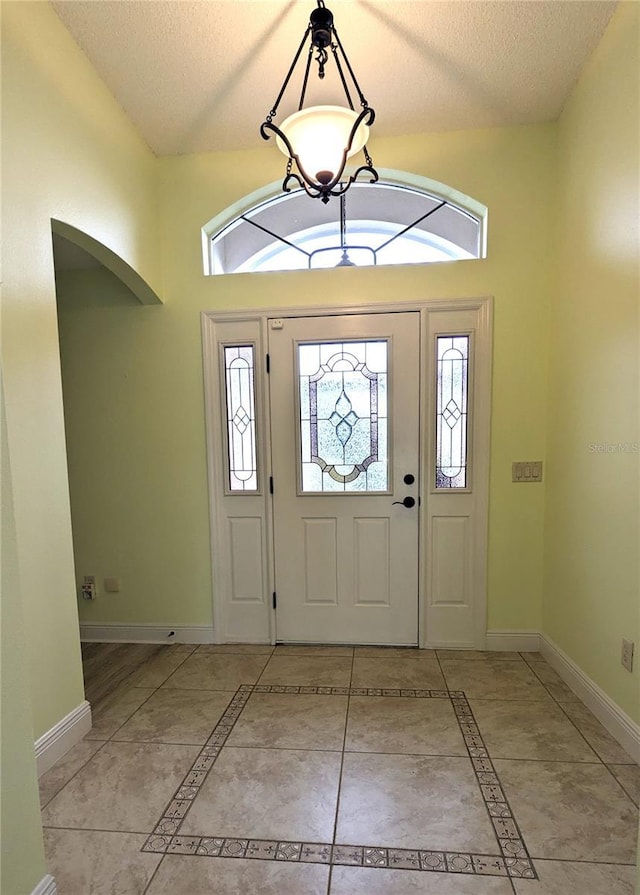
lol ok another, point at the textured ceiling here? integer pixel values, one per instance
(201, 76)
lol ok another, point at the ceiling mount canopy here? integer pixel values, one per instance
(320, 139)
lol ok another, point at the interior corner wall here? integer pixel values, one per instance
(22, 863)
(135, 379)
(591, 591)
(69, 153)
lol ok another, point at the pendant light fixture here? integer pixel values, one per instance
(320, 139)
(345, 261)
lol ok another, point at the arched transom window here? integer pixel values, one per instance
(373, 224)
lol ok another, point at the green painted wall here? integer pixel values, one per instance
(133, 376)
(591, 594)
(68, 153)
(21, 853)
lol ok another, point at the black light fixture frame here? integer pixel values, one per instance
(322, 34)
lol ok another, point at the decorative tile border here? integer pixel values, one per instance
(506, 829)
(513, 862)
(346, 855)
(358, 691)
(178, 807)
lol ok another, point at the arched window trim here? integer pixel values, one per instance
(231, 216)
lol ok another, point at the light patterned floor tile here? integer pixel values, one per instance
(412, 726)
(628, 775)
(365, 881)
(59, 775)
(493, 680)
(217, 671)
(569, 811)
(298, 649)
(609, 750)
(175, 716)
(408, 783)
(267, 794)
(565, 878)
(115, 710)
(180, 875)
(396, 672)
(107, 669)
(537, 661)
(551, 679)
(479, 655)
(279, 721)
(535, 730)
(308, 671)
(393, 652)
(97, 863)
(242, 649)
(156, 670)
(125, 786)
(561, 692)
(382, 800)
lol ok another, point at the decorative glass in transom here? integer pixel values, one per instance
(452, 383)
(241, 418)
(343, 416)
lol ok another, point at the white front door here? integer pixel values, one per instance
(344, 394)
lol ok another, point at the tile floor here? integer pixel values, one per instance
(339, 771)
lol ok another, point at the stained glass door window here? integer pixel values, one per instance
(452, 384)
(343, 416)
(241, 418)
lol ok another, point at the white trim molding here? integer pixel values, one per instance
(56, 742)
(46, 886)
(117, 632)
(254, 621)
(456, 521)
(513, 641)
(611, 716)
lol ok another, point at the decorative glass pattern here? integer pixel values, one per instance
(343, 416)
(452, 383)
(241, 417)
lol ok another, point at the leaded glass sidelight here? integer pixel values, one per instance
(452, 383)
(343, 416)
(241, 417)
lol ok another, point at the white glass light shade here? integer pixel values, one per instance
(319, 136)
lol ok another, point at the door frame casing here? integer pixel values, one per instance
(253, 620)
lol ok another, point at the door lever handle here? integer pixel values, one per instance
(408, 502)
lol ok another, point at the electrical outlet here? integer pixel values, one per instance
(88, 588)
(627, 654)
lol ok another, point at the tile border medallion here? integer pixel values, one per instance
(513, 860)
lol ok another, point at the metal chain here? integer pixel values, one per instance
(322, 59)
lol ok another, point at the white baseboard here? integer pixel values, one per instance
(516, 641)
(97, 632)
(56, 742)
(46, 886)
(451, 644)
(611, 716)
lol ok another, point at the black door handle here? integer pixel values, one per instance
(408, 502)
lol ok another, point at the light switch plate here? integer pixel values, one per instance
(526, 471)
